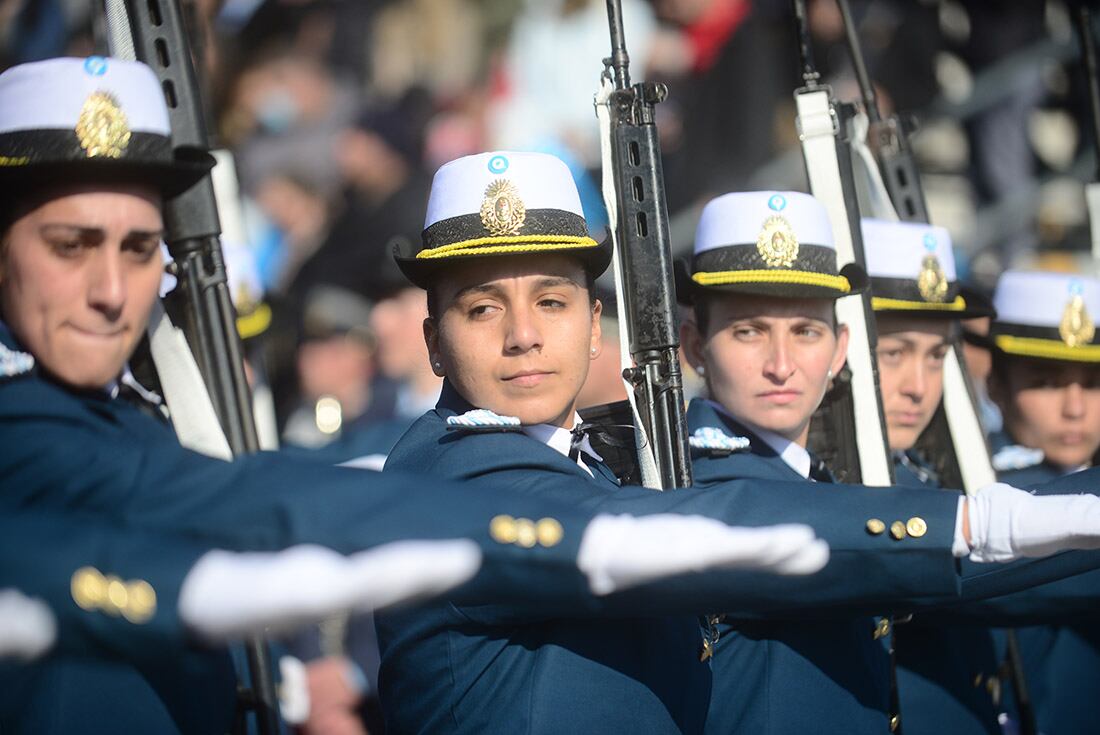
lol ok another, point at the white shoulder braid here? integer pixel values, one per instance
(709, 438)
(1016, 457)
(13, 362)
(482, 419)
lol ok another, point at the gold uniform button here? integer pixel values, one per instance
(978, 680)
(88, 588)
(142, 602)
(882, 629)
(526, 535)
(502, 529)
(118, 596)
(916, 527)
(895, 720)
(897, 530)
(549, 532)
(875, 526)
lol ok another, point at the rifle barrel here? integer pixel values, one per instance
(1088, 55)
(620, 59)
(805, 46)
(866, 87)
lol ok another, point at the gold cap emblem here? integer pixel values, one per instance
(102, 127)
(1076, 327)
(776, 242)
(932, 282)
(502, 210)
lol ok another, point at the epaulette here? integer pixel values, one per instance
(483, 420)
(1016, 457)
(715, 441)
(13, 362)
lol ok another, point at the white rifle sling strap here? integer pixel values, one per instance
(193, 415)
(967, 434)
(650, 476)
(817, 126)
(874, 199)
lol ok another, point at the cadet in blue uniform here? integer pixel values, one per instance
(946, 670)
(946, 673)
(507, 265)
(763, 280)
(1046, 380)
(80, 142)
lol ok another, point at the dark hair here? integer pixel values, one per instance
(433, 297)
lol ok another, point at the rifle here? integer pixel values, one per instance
(153, 31)
(963, 459)
(644, 262)
(855, 407)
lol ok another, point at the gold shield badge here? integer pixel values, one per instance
(776, 243)
(1076, 327)
(502, 210)
(102, 127)
(932, 282)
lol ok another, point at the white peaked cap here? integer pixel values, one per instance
(50, 95)
(736, 219)
(898, 249)
(542, 181)
(1038, 299)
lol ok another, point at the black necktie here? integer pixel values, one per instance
(819, 472)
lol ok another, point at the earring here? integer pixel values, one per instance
(701, 369)
(437, 365)
(829, 375)
(593, 350)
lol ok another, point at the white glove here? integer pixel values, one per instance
(228, 594)
(27, 626)
(623, 551)
(1007, 523)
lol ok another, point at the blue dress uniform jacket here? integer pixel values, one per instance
(68, 452)
(134, 643)
(1061, 663)
(948, 660)
(458, 668)
(946, 673)
(795, 675)
(67, 560)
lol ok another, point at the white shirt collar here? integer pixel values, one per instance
(795, 455)
(560, 440)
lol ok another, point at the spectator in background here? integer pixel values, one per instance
(544, 99)
(335, 363)
(396, 321)
(729, 64)
(384, 195)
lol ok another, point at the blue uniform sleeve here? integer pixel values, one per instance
(63, 456)
(113, 590)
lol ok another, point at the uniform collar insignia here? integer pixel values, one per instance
(13, 362)
(1016, 457)
(482, 419)
(716, 441)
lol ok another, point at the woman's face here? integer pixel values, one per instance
(78, 276)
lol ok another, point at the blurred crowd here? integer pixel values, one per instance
(338, 111)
